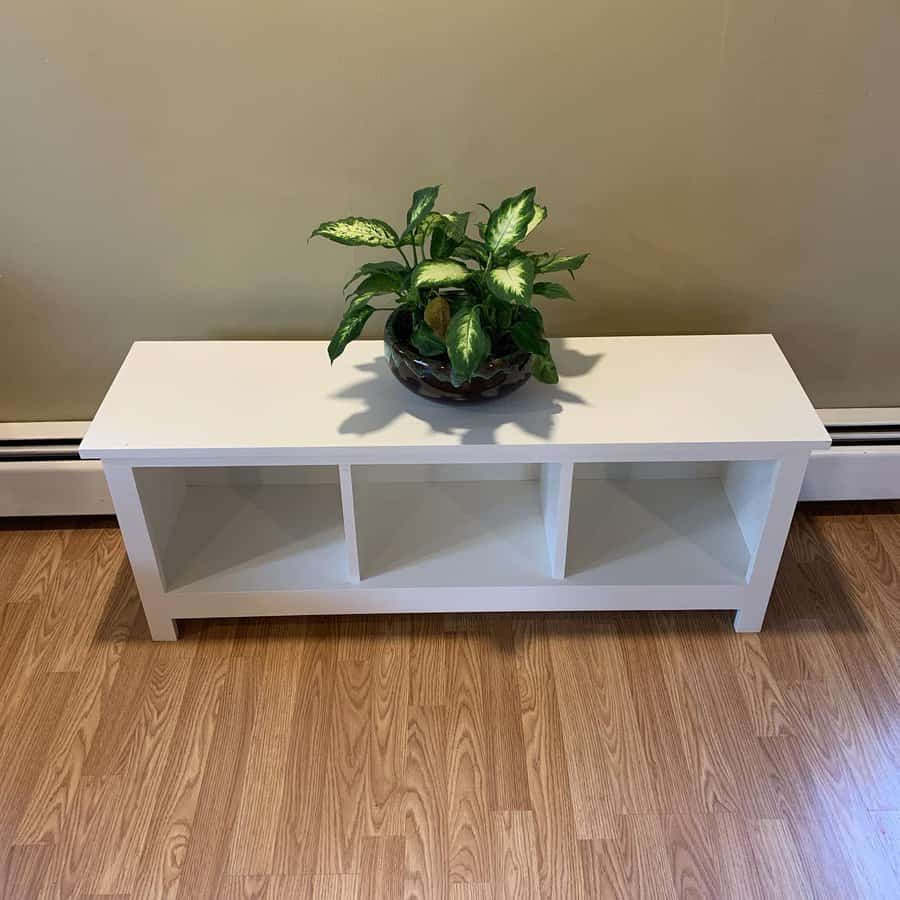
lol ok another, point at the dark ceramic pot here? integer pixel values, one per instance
(429, 376)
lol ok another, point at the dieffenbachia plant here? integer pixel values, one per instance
(468, 298)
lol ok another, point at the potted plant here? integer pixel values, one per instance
(463, 326)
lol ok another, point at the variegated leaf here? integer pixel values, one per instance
(512, 282)
(422, 204)
(467, 344)
(540, 213)
(438, 272)
(349, 329)
(421, 231)
(508, 223)
(551, 290)
(357, 232)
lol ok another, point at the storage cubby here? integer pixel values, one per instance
(667, 523)
(245, 528)
(455, 525)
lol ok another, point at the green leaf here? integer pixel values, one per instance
(442, 245)
(467, 344)
(422, 204)
(438, 272)
(512, 282)
(544, 369)
(553, 262)
(350, 328)
(426, 341)
(529, 337)
(508, 224)
(356, 232)
(377, 268)
(540, 213)
(551, 290)
(469, 249)
(380, 283)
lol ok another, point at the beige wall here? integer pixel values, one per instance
(732, 165)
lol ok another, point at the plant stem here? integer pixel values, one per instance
(415, 255)
(400, 251)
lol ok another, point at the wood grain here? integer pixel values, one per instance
(463, 757)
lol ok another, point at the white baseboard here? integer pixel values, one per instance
(853, 473)
(54, 488)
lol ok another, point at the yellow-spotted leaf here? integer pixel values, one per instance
(509, 222)
(356, 232)
(437, 315)
(540, 213)
(439, 272)
(513, 282)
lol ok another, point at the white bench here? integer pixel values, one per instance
(253, 478)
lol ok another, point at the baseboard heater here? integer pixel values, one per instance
(41, 474)
(863, 462)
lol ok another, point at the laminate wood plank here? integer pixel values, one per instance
(389, 652)
(781, 872)
(508, 781)
(830, 823)
(633, 864)
(299, 815)
(711, 766)
(49, 803)
(693, 850)
(426, 861)
(381, 868)
(173, 821)
(43, 556)
(344, 796)
(24, 750)
(471, 891)
(516, 874)
(549, 783)
(738, 871)
(716, 683)
(23, 869)
(758, 685)
(887, 825)
(204, 871)
(140, 762)
(428, 646)
(290, 887)
(255, 829)
(656, 723)
(468, 760)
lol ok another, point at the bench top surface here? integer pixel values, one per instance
(246, 400)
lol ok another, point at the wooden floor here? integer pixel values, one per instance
(459, 757)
